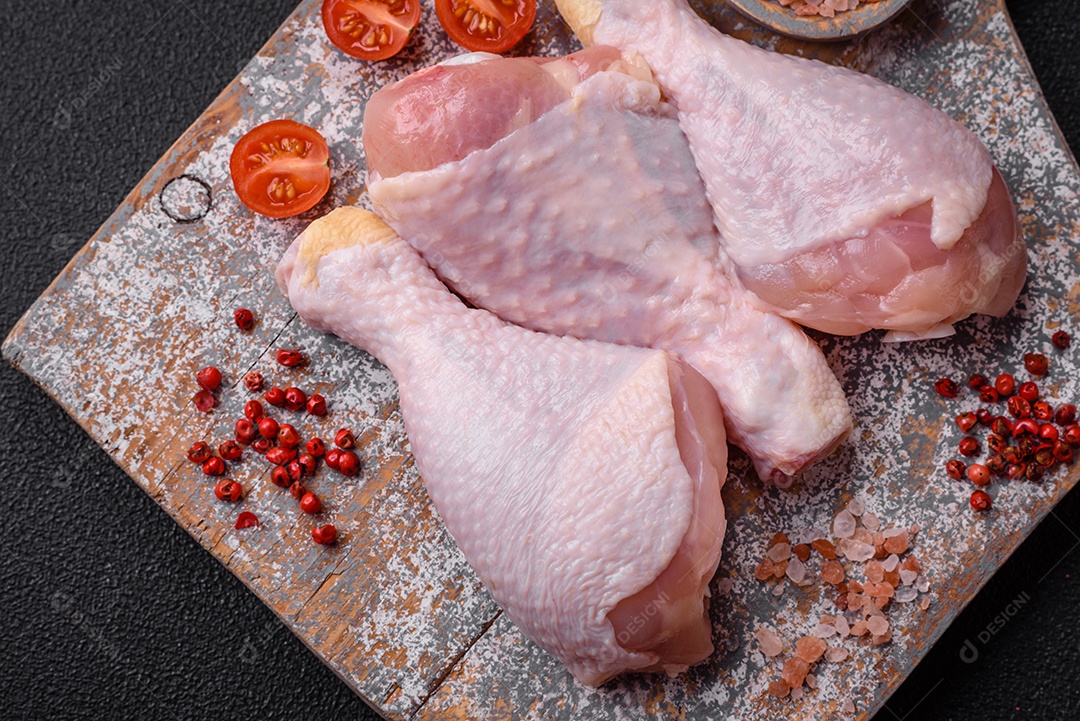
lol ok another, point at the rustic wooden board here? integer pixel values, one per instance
(393, 608)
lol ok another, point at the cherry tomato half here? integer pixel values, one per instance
(281, 168)
(491, 26)
(370, 29)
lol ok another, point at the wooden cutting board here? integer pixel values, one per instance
(393, 608)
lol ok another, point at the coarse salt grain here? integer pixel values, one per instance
(811, 680)
(906, 594)
(871, 522)
(891, 562)
(810, 648)
(856, 507)
(769, 643)
(779, 552)
(848, 706)
(836, 654)
(796, 571)
(877, 625)
(907, 577)
(842, 627)
(856, 551)
(923, 584)
(824, 631)
(796, 693)
(892, 531)
(844, 524)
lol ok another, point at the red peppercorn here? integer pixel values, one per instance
(968, 446)
(290, 358)
(295, 399)
(994, 442)
(253, 381)
(296, 471)
(204, 400)
(245, 431)
(1063, 452)
(1066, 414)
(262, 445)
(315, 447)
(253, 410)
(228, 490)
(244, 319)
(1012, 454)
(268, 427)
(1005, 384)
(946, 388)
(1015, 471)
(1071, 434)
(1048, 433)
(297, 490)
(209, 378)
(981, 501)
(1027, 446)
(1025, 427)
(199, 452)
(1042, 411)
(309, 463)
(1061, 339)
(247, 519)
(1029, 391)
(967, 421)
(978, 474)
(977, 381)
(230, 451)
(213, 466)
(316, 405)
(985, 417)
(1034, 472)
(288, 436)
(279, 476)
(349, 464)
(996, 464)
(955, 469)
(988, 394)
(1044, 455)
(1019, 407)
(333, 456)
(310, 503)
(1001, 426)
(324, 535)
(1036, 363)
(344, 439)
(281, 456)
(275, 397)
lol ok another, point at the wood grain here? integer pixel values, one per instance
(393, 608)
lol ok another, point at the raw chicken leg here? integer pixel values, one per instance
(588, 218)
(581, 480)
(843, 202)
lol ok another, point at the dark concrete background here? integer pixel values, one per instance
(109, 609)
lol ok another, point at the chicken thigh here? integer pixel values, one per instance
(580, 479)
(843, 202)
(585, 216)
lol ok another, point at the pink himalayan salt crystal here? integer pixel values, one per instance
(856, 507)
(779, 689)
(824, 630)
(875, 571)
(779, 552)
(891, 563)
(908, 577)
(848, 706)
(842, 627)
(898, 543)
(796, 693)
(811, 681)
(778, 591)
(844, 524)
(810, 648)
(892, 531)
(863, 536)
(882, 639)
(836, 654)
(856, 551)
(859, 629)
(923, 584)
(871, 522)
(794, 671)
(906, 594)
(924, 603)
(796, 571)
(877, 625)
(769, 643)
(832, 572)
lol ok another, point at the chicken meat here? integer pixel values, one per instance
(582, 480)
(843, 202)
(561, 195)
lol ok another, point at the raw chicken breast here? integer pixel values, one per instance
(581, 480)
(843, 202)
(592, 221)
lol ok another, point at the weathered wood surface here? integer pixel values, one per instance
(394, 608)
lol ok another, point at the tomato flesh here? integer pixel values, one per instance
(370, 29)
(281, 168)
(492, 26)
